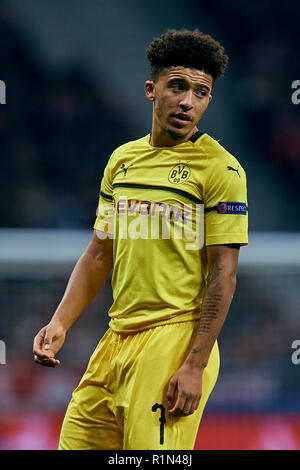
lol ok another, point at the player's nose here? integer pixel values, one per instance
(186, 102)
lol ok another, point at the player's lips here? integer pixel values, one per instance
(182, 118)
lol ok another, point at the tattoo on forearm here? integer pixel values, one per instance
(210, 309)
(211, 303)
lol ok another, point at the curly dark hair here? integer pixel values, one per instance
(192, 49)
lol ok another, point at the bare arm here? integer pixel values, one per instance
(185, 387)
(86, 280)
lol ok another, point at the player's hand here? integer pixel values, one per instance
(184, 391)
(47, 343)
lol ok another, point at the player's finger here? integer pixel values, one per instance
(188, 407)
(43, 354)
(42, 344)
(195, 405)
(38, 342)
(52, 363)
(191, 406)
(41, 361)
(179, 405)
(37, 359)
(47, 362)
(171, 393)
(48, 339)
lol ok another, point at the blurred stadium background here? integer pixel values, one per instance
(74, 74)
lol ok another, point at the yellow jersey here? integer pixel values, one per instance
(162, 206)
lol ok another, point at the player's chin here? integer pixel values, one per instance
(180, 131)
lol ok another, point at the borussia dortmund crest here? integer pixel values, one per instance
(179, 173)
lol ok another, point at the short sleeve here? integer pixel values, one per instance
(226, 206)
(105, 211)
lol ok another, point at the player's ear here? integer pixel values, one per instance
(210, 98)
(150, 90)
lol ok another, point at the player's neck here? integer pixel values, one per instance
(161, 138)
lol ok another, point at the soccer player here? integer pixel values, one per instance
(172, 216)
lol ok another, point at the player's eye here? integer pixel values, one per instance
(201, 92)
(177, 86)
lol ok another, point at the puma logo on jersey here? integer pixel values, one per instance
(125, 169)
(233, 169)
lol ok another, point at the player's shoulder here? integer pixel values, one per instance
(216, 154)
(123, 150)
(131, 144)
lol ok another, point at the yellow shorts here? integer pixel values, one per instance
(121, 400)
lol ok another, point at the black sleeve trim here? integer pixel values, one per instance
(106, 196)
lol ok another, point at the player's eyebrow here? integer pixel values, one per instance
(184, 81)
(201, 85)
(177, 80)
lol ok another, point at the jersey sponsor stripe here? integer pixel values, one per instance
(187, 195)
